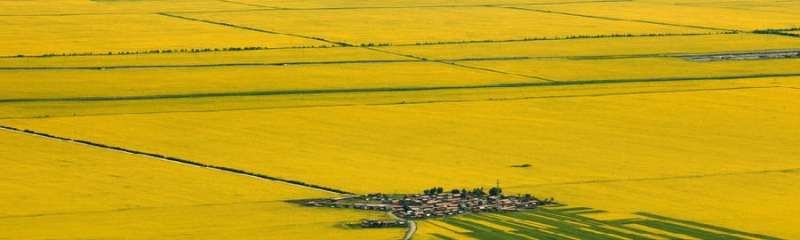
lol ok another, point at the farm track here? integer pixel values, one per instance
(175, 160)
(389, 61)
(722, 174)
(388, 89)
(494, 99)
(250, 28)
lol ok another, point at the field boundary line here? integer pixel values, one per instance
(175, 160)
(621, 19)
(412, 60)
(391, 89)
(452, 63)
(260, 7)
(666, 178)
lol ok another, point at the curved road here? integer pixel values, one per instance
(412, 228)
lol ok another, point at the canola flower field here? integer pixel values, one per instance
(125, 119)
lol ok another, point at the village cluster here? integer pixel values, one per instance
(434, 202)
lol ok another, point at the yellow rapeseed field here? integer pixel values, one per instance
(403, 148)
(592, 103)
(723, 18)
(71, 191)
(416, 25)
(787, 7)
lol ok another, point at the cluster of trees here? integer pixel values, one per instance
(784, 32)
(480, 192)
(572, 37)
(374, 44)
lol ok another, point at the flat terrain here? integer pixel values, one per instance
(199, 119)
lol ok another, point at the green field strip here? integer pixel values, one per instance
(698, 233)
(563, 231)
(565, 227)
(406, 102)
(623, 19)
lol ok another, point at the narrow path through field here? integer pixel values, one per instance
(409, 102)
(295, 183)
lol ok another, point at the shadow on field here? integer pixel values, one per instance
(564, 222)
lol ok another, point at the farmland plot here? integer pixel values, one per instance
(133, 84)
(593, 103)
(403, 148)
(721, 18)
(387, 3)
(101, 34)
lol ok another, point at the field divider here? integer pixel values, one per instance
(122, 67)
(182, 161)
(392, 89)
(621, 19)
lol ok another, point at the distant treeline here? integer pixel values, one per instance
(163, 51)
